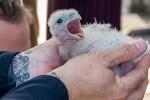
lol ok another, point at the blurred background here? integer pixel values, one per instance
(134, 17)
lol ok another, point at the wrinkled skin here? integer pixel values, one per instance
(92, 77)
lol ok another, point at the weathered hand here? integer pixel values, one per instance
(91, 76)
(36, 61)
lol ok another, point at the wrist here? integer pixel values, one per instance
(20, 67)
(69, 81)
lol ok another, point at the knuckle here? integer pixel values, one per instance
(124, 87)
(130, 51)
(109, 60)
(143, 72)
(143, 76)
(119, 96)
(126, 50)
(122, 94)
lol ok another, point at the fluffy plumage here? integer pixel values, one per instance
(92, 38)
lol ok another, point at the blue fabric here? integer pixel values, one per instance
(5, 61)
(43, 87)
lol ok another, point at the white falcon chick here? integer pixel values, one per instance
(65, 26)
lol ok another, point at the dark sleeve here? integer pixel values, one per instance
(43, 87)
(5, 61)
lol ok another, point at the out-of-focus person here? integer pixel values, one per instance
(14, 26)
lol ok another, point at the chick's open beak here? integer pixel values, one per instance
(74, 27)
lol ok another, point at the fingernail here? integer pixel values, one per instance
(141, 46)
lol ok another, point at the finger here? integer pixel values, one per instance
(131, 80)
(124, 53)
(138, 94)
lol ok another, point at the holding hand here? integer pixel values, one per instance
(39, 60)
(91, 76)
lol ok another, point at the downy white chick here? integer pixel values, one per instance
(75, 40)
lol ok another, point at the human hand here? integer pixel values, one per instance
(91, 76)
(36, 61)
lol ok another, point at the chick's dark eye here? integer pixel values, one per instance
(70, 15)
(59, 21)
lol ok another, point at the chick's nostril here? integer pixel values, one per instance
(72, 14)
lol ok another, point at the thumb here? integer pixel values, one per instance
(125, 53)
